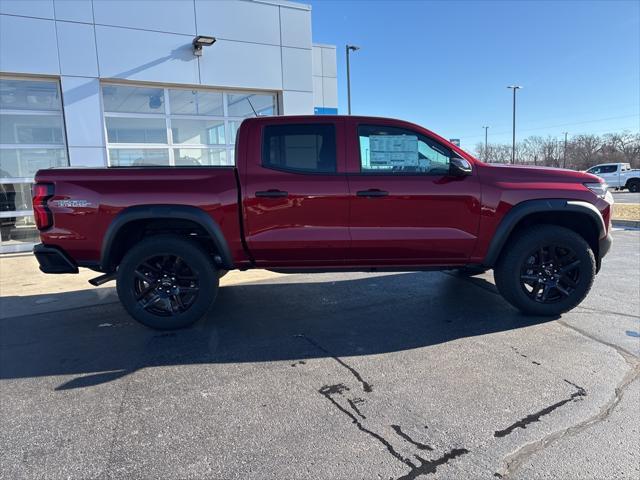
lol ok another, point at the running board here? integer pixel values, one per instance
(107, 277)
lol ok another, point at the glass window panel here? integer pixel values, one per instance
(29, 95)
(15, 197)
(25, 162)
(15, 231)
(303, 148)
(198, 132)
(194, 102)
(118, 98)
(200, 156)
(243, 105)
(233, 129)
(136, 130)
(31, 129)
(396, 150)
(138, 157)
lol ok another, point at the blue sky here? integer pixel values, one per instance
(446, 64)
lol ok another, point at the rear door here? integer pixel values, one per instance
(296, 193)
(405, 207)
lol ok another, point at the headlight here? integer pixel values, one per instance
(600, 189)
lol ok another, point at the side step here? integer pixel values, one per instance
(107, 277)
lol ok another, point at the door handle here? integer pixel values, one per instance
(272, 194)
(372, 192)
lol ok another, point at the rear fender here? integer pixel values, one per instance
(152, 212)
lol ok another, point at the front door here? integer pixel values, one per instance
(296, 195)
(405, 208)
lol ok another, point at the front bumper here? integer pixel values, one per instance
(604, 245)
(53, 260)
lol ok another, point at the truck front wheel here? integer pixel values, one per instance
(546, 270)
(167, 282)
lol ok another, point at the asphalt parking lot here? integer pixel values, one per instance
(328, 376)
(626, 197)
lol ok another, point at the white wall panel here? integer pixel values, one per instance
(77, 49)
(244, 65)
(295, 25)
(146, 56)
(74, 10)
(87, 157)
(234, 20)
(318, 100)
(317, 61)
(330, 91)
(296, 69)
(82, 111)
(297, 103)
(175, 16)
(329, 62)
(28, 8)
(28, 45)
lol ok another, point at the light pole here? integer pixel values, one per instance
(486, 152)
(564, 152)
(349, 49)
(513, 144)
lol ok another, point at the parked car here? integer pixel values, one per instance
(318, 194)
(618, 175)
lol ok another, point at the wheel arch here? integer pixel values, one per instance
(140, 215)
(579, 216)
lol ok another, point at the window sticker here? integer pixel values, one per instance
(393, 151)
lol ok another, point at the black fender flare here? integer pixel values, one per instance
(521, 210)
(150, 212)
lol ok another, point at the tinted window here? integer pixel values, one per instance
(396, 151)
(608, 169)
(301, 148)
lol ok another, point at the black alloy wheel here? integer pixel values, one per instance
(545, 270)
(165, 285)
(167, 282)
(550, 273)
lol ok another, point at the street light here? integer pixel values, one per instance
(486, 154)
(513, 145)
(564, 151)
(349, 49)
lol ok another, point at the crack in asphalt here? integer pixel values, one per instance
(365, 385)
(515, 460)
(423, 467)
(518, 352)
(535, 417)
(354, 407)
(401, 434)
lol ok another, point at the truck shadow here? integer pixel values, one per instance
(290, 318)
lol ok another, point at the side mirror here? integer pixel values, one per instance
(459, 167)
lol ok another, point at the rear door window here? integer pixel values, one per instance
(300, 148)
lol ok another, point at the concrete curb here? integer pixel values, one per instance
(626, 223)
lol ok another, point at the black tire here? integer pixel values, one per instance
(546, 270)
(469, 271)
(634, 186)
(167, 282)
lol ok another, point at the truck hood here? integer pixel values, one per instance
(534, 173)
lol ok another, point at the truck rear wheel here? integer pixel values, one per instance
(634, 186)
(546, 270)
(167, 282)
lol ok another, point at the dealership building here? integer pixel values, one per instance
(97, 83)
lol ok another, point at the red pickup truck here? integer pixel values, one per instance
(318, 194)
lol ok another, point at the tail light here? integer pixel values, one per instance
(42, 192)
